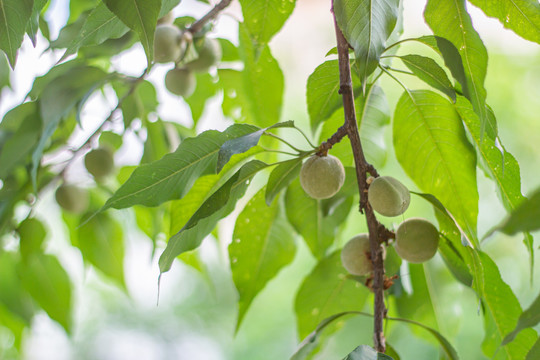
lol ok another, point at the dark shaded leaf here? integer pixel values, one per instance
(33, 22)
(15, 15)
(366, 25)
(527, 319)
(526, 217)
(364, 352)
(427, 70)
(140, 16)
(32, 234)
(281, 177)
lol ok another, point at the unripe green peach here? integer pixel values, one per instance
(99, 162)
(167, 19)
(417, 240)
(321, 177)
(388, 196)
(167, 43)
(72, 198)
(356, 255)
(180, 82)
(209, 55)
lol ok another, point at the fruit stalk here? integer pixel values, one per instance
(362, 168)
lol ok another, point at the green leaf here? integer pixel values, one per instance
(140, 16)
(242, 144)
(100, 25)
(534, 353)
(18, 146)
(281, 177)
(364, 352)
(5, 71)
(172, 176)
(449, 350)
(308, 217)
(101, 241)
(46, 280)
(449, 19)
(139, 103)
(501, 310)
(264, 18)
(206, 88)
(229, 50)
(520, 16)
(15, 15)
(326, 291)
(366, 25)
(33, 22)
(527, 319)
(263, 243)
(427, 70)
(501, 166)
(17, 328)
(262, 82)
(431, 146)
(526, 217)
(32, 234)
(322, 94)
(12, 294)
(217, 206)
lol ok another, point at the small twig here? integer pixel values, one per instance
(362, 168)
(332, 140)
(198, 25)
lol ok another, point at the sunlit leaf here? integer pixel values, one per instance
(263, 243)
(520, 16)
(218, 205)
(327, 291)
(427, 70)
(366, 25)
(206, 88)
(140, 16)
(264, 18)
(172, 176)
(15, 15)
(262, 81)
(46, 280)
(431, 146)
(450, 20)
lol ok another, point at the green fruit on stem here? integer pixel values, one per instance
(356, 255)
(99, 162)
(167, 19)
(321, 177)
(167, 43)
(72, 198)
(388, 196)
(180, 82)
(417, 240)
(209, 55)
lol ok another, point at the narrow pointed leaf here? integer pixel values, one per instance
(364, 352)
(262, 82)
(326, 291)
(100, 25)
(527, 319)
(140, 16)
(264, 18)
(172, 176)
(450, 20)
(263, 243)
(526, 217)
(427, 70)
(13, 296)
(366, 24)
(502, 310)
(430, 144)
(281, 177)
(520, 16)
(14, 16)
(534, 353)
(33, 22)
(46, 280)
(322, 94)
(216, 207)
